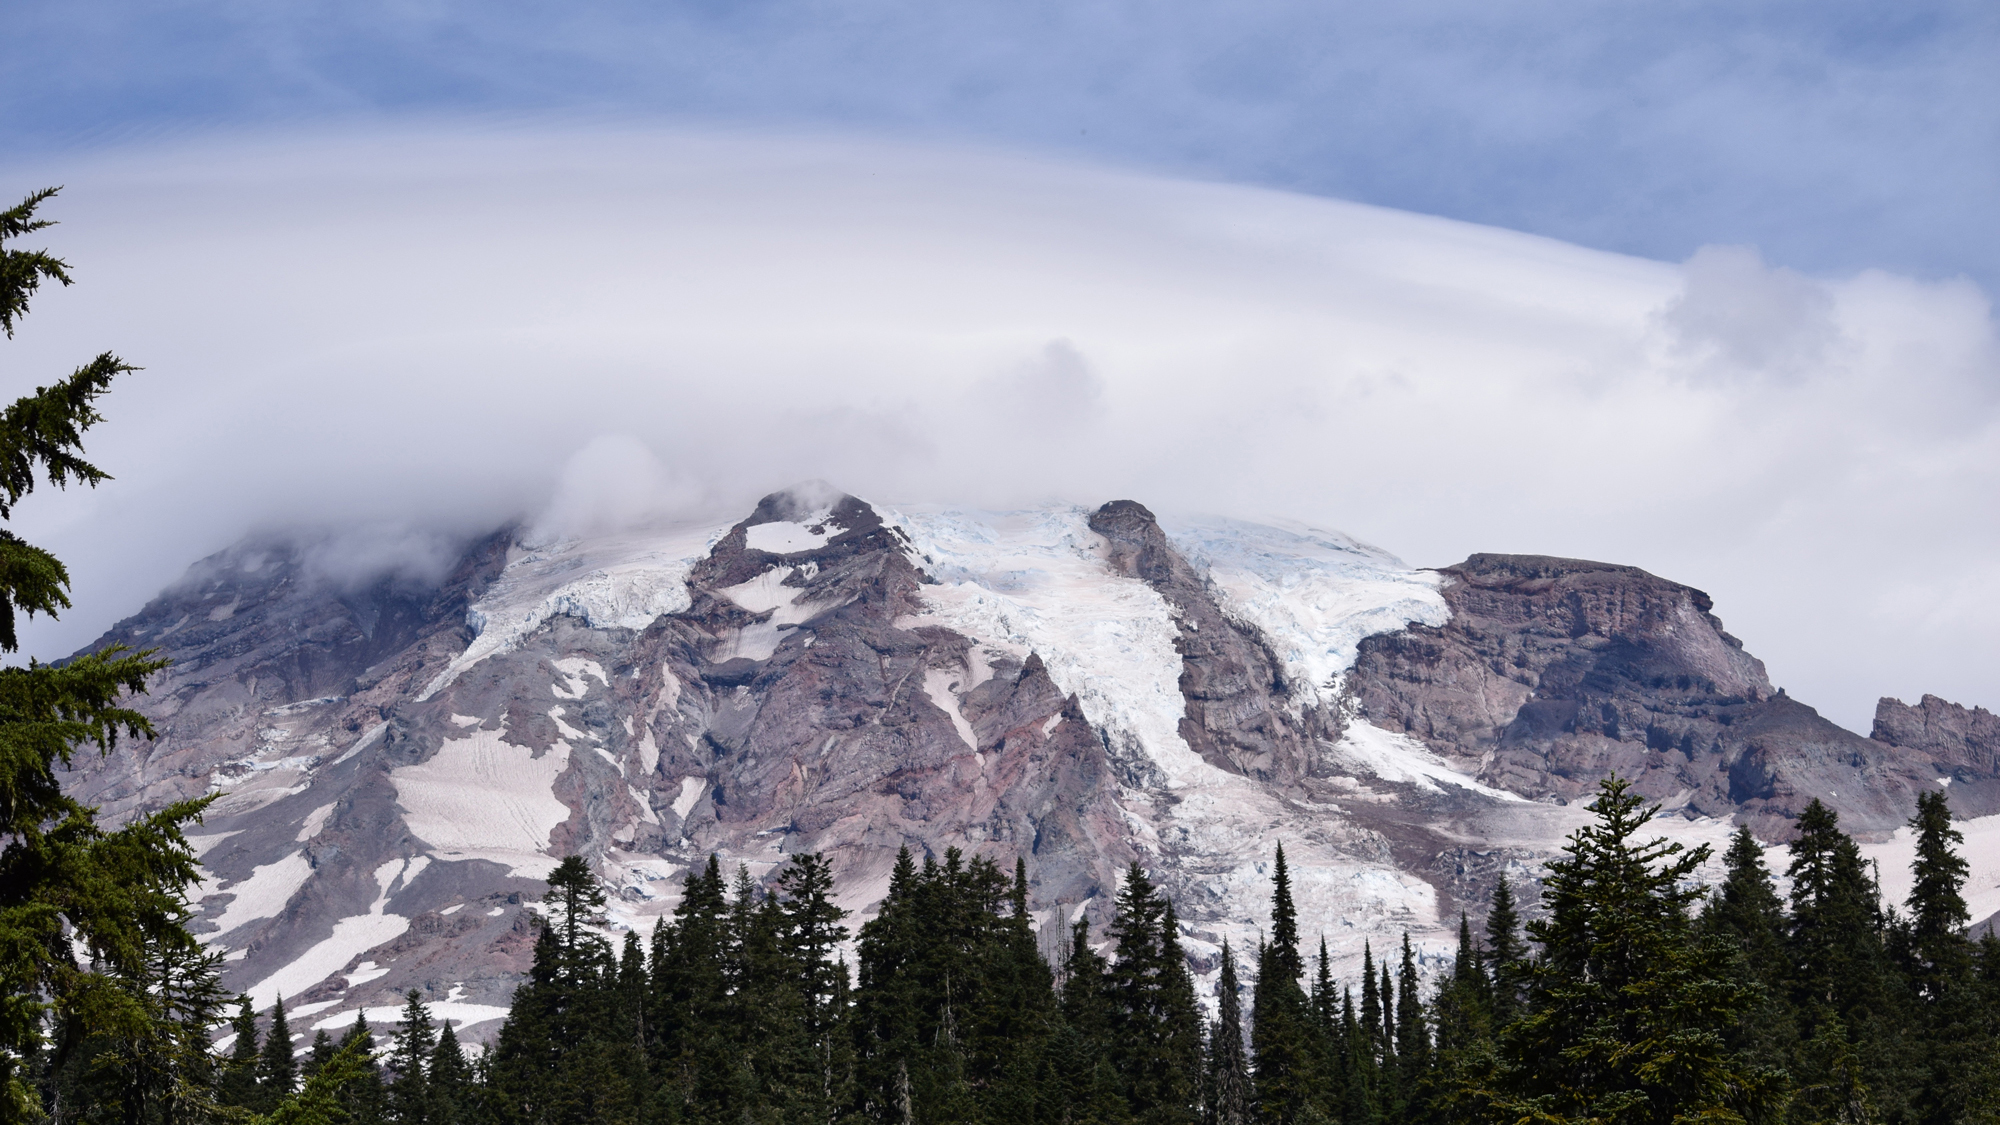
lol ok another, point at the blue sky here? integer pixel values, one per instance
(1834, 135)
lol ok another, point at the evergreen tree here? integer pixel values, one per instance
(317, 1055)
(1746, 917)
(1228, 1070)
(1371, 1005)
(1155, 1025)
(65, 883)
(1627, 1011)
(409, 1055)
(1281, 1023)
(1937, 907)
(358, 1087)
(238, 1082)
(1413, 1040)
(450, 1081)
(1506, 956)
(277, 1066)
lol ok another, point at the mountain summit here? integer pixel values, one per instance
(402, 762)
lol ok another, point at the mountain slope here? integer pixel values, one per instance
(1081, 688)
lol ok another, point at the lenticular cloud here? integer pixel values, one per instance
(438, 330)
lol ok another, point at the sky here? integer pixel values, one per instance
(1699, 287)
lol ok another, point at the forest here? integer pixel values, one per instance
(1632, 994)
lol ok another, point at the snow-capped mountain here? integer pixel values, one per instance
(400, 762)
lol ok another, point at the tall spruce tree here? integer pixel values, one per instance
(450, 1081)
(1281, 1024)
(1628, 1008)
(1228, 1069)
(277, 1065)
(1155, 1025)
(1938, 913)
(67, 884)
(1506, 955)
(237, 1084)
(409, 1063)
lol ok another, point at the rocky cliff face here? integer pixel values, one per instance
(400, 763)
(1552, 673)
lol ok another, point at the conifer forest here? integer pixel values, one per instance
(1633, 994)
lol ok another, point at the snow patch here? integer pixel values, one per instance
(784, 537)
(350, 936)
(767, 593)
(315, 820)
(1037, 581)
(621, 582)
(938, 683)
(1313, 593)
(482, 797)
(1396, 757)
(461, 1014)
(691, 790)
(264, 893)
(574, 671)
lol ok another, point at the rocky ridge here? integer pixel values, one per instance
(400, 762)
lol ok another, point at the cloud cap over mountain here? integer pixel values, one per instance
(421, 329)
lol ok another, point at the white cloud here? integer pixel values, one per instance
(424, 328)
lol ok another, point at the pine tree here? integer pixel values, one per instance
(1937, 906)
(277, 1066)
(360, 1090)
(317, 1055)
(1281, 1024)
(1228, 1070)
(1506, 956)
(1628, 1014)
(409, 1055)
(66, 883)
(450, 1081)
(238, 1083)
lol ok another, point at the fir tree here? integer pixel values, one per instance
(1281, 1024)
(67, 884)
(409, 1055)
(1413, 1040)
(1627, 1012)
(1937, 907)
(277, 1066)
(317, 1055)
(238, 1084)
(450, 1081)
(1505, 955)
(358, 1088)
(1228, 1070)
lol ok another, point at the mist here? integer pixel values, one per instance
(406, 337)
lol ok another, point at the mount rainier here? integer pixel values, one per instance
(400, 761)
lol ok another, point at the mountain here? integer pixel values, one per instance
(400, 760)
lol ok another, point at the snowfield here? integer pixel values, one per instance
(482, 797)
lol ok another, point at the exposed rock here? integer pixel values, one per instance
(1552, 673)
(1961, 744)
(401, 763)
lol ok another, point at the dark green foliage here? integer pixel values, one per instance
(1627, 1015)
(67, 885)
(1283, 1032)
(238, 1084)
(450, 1082)
(1228, 1085)
(409, 1095)
(277, 1067)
